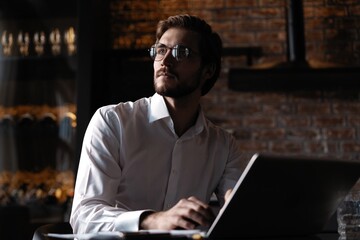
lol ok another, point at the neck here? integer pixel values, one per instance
(183, 112)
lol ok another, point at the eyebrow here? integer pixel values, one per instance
(179, 44)
(164, 45)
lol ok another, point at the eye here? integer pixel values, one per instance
(182, 52)
(161, 50)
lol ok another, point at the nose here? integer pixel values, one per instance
(168, 58)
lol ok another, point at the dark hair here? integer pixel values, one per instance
(210, 43)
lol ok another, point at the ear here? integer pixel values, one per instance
(209, 71)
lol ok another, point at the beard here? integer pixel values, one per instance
(179, 89)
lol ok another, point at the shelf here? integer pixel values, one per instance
(294, 79)
(38, 68)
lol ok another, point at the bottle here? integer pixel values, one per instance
(348, 215)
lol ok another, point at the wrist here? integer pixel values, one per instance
(144, 220)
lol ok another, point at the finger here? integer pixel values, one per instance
(186, 223)
(227, 194)
(195, 212)
(179, 217)
(197, 201)
(199, 219)
(202, 208)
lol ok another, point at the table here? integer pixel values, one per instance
(324, 236)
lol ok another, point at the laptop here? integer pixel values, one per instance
(275, 197)
(282, 196)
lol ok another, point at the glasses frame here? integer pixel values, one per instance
(174, 52)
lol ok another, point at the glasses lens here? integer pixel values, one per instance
(158, 52)
(180, 52)
(152, 52)
(161, 51)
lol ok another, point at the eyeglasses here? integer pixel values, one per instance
(179, 52)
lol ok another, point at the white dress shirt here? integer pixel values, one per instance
(132, 160)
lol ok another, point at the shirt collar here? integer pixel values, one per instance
(158, 109)
(200, 122)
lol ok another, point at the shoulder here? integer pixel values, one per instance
(115, 117)
(218, 130)
(124, 108)
(222, 136)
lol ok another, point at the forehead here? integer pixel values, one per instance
(181, 36)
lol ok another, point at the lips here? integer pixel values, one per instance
(163, 72)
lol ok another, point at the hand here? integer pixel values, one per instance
(186, 214)
(227, 195)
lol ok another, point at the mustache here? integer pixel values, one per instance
(165, 72)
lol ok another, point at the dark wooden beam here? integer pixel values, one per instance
(293, 79)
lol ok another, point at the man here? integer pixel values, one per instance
(155, 163)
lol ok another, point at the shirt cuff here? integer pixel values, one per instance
(129, 221)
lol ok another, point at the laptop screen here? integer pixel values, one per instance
(284, 196)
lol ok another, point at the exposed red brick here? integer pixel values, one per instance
(272, 134)
(294, 121)
(286, 147)
(303, 133)
(328, 121)
(317, 108)
(351, 146)
(301, 122)
(340, 133)
(259, 121)
(253, 146)
(321, 147)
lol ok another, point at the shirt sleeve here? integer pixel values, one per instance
(233, 170)
(129, 221)
(95, 206)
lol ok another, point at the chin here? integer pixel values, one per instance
(160, 90)
(161, 87)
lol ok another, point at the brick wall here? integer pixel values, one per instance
(300, 122)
